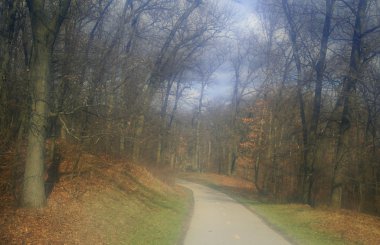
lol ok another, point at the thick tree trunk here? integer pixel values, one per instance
(44, 32)
(34, 191)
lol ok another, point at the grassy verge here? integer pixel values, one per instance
(139, 218)
(301, 224)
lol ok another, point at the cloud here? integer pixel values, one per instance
(221, 84)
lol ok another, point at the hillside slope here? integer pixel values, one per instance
(106, 202)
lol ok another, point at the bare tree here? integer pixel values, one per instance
(345, 102)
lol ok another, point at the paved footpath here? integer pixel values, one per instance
(218, 219)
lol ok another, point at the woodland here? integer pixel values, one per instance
(131, 79)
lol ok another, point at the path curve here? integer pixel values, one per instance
(218, 219)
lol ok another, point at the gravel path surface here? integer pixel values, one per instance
(218, 219)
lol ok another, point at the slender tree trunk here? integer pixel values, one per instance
(198, 127)
(313, 132)
(209, 154)
(139, 128)
(259, 152)
(9, 30)
(197, 147)
(109, 147)
(178, 95)
(349, 84)
(122, 138)
(297, 59)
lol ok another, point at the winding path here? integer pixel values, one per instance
(219, 219)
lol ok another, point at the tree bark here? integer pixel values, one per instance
(345, 99)
(313, 132)
(297, 59)
(44, 32)
(198, 127)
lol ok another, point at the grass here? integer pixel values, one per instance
(140, 218)
(300, 224)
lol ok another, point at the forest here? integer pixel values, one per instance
(133, 79)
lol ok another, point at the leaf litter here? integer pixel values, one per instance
(67, 219)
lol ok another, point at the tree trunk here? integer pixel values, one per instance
(313, 139)
(349, 84)
(198, 127)
(209, 155)
(197, 146)
(139, 128)
(297, 59)
(163, 126)
(122, 136)
(44, 33)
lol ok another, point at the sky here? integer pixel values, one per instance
(221, 85)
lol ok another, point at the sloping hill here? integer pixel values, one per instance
(105, 202)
